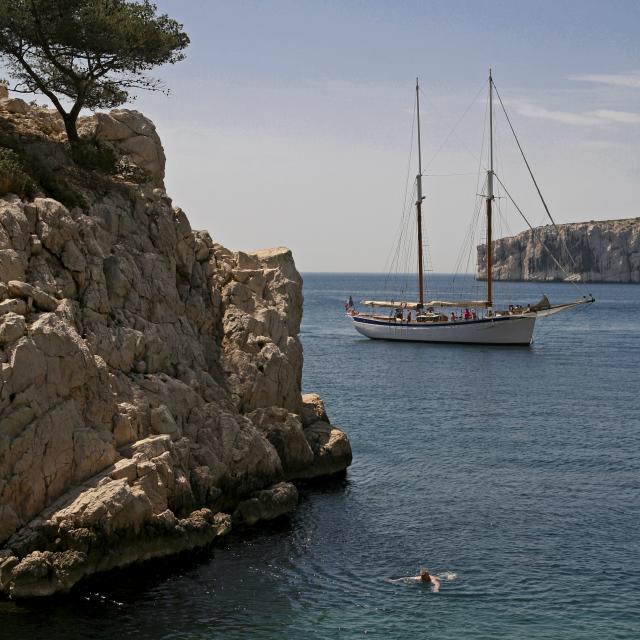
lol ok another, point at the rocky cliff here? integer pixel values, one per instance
(604, 251)
(150, 382)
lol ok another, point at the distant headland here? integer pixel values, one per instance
(595, 251)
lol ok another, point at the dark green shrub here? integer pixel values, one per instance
(88, 156)
(13, 177)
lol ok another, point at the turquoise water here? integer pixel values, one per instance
(517, 468)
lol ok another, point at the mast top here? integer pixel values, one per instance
(419, 206)
(419, 140)
(490, 172)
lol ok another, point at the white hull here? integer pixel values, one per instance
(499, 330)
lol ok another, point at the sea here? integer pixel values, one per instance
(511, 472)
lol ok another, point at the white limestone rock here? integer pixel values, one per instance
(149, 377)
(133, 136)
(604, 251)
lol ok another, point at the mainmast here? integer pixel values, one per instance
(490, 198)
(419, 208)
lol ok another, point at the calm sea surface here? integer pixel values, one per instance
(517, 469)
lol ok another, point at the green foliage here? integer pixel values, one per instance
(44, 168)
(13, 178)
(92, 52)
(88, 156)
(55, 185)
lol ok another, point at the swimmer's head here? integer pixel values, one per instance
(424, 575)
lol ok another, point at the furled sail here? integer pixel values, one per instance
(542, 304)
(460, 304)
(556, 308)
(391, 304)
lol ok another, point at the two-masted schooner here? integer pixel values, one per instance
(428, 320)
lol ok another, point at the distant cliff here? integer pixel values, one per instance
(600, 251)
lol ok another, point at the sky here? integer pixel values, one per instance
(289, 123)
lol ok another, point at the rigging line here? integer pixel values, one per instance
(477, 201)
(455, 126)
(467, 244)
(466, 247)
(406, 183)
(546, 208)
(400, 259)
(506, 286)
(484, 135)
(553, 326)
(394, 260)
(533, 229)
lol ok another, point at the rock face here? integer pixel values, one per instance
(605, 251)
(150, 379)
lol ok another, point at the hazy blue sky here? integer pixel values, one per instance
(289, 122)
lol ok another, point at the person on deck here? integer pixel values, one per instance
(408, 317)
(453, 316)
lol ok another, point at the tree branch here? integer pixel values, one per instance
(44, 42)
(39, 82)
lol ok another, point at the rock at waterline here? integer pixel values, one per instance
(150, 377)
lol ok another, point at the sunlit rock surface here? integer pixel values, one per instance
(150, 379)
(605, 251)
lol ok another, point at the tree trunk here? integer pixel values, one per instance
(70, 122)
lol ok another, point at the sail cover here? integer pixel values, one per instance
(556, 308)
(460, 304)
(542, 304)
(465, 304)
(391, 304)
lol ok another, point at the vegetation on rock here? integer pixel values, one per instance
(89, 52)
(13, 178)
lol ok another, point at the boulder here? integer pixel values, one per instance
(132, 136)
(15, 105)
(12, 265)
(40, 299)
(313, 409)
(12, 327)
(284, 431)
(267, 504)
(331, 449)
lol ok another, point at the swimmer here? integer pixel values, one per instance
(425, 576)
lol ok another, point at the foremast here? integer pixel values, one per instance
(419, 200)
(489, 200)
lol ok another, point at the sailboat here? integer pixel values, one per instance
(428, 320)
